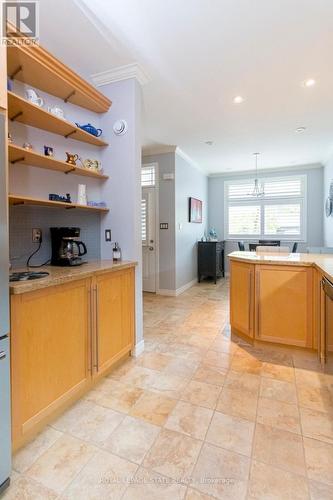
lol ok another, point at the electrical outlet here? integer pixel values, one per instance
(36, 235)
(107, 234)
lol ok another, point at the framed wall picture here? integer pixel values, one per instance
(195, 210)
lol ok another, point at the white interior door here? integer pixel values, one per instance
(148, 225)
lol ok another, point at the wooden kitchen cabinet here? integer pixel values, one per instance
(242, 298)
(284, 304)
(114, 318)
(50, 353)
(63, 338)
(3, 77)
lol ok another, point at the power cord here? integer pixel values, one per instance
(34, 253)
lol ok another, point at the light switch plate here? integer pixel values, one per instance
(107, 234)
(164, 225)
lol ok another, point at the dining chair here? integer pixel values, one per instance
(271, 243)
(253, 246)
(241, 246)
(272, 249)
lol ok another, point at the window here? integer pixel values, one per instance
(148, 176)
(280, 213)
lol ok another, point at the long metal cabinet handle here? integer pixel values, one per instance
(90, 329)
(258, 303)
(2, 355)
(250, 298)
(96, 330)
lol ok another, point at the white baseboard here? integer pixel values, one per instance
(175, 293)
(138, 349)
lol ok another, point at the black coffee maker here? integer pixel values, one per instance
(67, 249)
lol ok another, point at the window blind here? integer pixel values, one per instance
(280, 212)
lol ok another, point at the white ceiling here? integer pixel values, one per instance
(199, 54)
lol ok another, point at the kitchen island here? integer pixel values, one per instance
(67, 331)
(279, 298)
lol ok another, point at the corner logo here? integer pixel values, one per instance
(19, 23)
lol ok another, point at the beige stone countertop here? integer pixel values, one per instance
(323, 262)
(60, 275)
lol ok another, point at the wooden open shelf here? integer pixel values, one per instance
(37, 67)
(23, 111)
(17, 154)
(27, 200)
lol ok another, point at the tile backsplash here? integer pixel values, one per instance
(23, 218)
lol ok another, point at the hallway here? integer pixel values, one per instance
(196, 416)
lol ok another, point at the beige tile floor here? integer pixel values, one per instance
(199, 415)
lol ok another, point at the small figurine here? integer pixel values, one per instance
(27, 146)
(48, 151)
(10, 138)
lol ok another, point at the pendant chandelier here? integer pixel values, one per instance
(258, 188)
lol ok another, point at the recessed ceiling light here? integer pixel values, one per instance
(209, 143)
(238, 99)
(309, 83)
(299, 130)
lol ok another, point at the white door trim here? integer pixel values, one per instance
(157, 222)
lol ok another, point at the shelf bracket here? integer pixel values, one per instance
(70, 133)
(13, 118)
(18, 160)
(18, 69)
(69, 96)
(17, 203)
(69, 208)
(68, 171)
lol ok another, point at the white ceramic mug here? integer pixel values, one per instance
(32, 96)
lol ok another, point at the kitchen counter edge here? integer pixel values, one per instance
(322, 262)
(62, 275)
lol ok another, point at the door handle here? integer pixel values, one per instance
(2, 355)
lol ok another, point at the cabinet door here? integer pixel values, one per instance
(284, 304)
(114, 297)
(50, 353)
(242, 297)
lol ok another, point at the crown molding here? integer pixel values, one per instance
(120, 73)
(159, 149)
(162, 149)
(189, 160)
(289, 168)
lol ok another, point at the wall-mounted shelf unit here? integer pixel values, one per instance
(23, 111)
(27, 200)
(37, 67)
(26, 157)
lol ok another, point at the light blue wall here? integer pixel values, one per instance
(328, 221)
(314, 206)
(167, 245)
(178, 247)
(190, 182)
